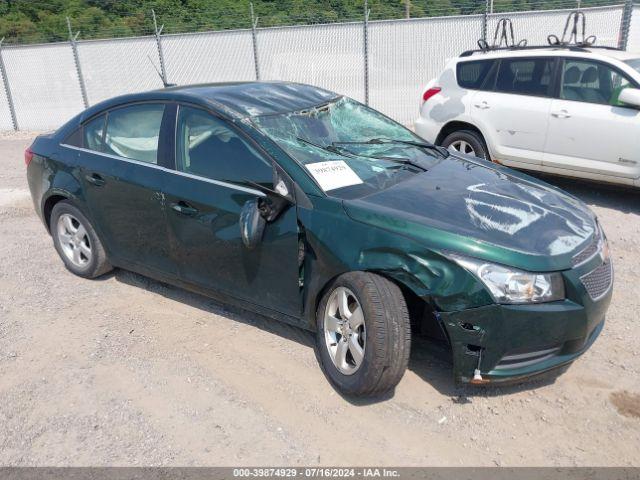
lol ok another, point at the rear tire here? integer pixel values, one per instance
(468, 142)
(77, 242)
(376, 334)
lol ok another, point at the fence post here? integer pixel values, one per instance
(485, 19)
(366, 51)
(158, 32)
(76, 59)
(625, 24)
(7, 89)
(254, 37)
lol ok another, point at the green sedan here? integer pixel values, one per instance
(310, 208)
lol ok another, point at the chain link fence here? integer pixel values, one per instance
(633, 43)
(208, 57)
(329, 56)
(5, 113)
(384, 62)
(118, 66)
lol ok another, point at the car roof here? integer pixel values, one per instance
(234, 99)
(250, 99)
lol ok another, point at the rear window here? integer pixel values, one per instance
(474, 74)
(525, 76)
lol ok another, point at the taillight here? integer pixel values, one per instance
(430, 93)
(28, 156)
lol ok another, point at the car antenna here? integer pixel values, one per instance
(504, 30)
(164, 82)
(579, 20)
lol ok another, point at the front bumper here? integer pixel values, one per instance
(511, 342)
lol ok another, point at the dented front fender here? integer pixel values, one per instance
(336, 244)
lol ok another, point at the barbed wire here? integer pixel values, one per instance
(205, 18)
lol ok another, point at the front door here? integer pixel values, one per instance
(590, 130)
(214, 162)
(123, 185)
(517, 111)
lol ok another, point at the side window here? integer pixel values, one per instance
(474, 74)
(208, 147)
(133, 132)
(525, 76)
(93, 132)
(591, 82)
(74, 138)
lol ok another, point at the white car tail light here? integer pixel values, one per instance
(430, 92)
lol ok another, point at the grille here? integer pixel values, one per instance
(598, 281)
(588, 252)
(524, 359)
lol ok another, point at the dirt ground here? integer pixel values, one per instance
(127, 371)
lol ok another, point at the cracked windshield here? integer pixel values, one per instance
(349, 149)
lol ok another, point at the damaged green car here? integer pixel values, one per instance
(313, 209)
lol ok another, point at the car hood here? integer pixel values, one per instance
(486, 211)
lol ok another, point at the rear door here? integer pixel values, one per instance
(590, 131)
(214, 165)
(515, 114)
(121, 167)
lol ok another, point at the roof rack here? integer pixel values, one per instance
(575, 41)
(578, 19)
(505, 29)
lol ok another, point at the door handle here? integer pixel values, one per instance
(561, 114)
(95, 179)
(184, 209)
(483, 105)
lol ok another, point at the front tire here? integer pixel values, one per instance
(363, 334)
(76, 241)
(467, 142)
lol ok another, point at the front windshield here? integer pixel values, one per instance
(350, 149)
(634, 63)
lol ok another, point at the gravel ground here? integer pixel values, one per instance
(127, 371)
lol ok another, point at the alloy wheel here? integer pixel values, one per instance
(345, 331)
(462, 146)
(74, 240)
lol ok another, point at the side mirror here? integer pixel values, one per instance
(252, 223)
(256, 213)
(630, 96)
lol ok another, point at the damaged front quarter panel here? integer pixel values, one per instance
(427, 273)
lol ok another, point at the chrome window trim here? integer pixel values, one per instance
(168, 170)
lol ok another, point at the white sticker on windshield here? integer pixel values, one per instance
(333, 174)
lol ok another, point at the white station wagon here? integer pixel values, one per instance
(566, 110)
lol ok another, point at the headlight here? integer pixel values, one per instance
(508, 285)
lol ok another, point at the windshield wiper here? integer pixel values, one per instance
(404, 161)
(327, 148)
(386, 141)
(345, 153)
